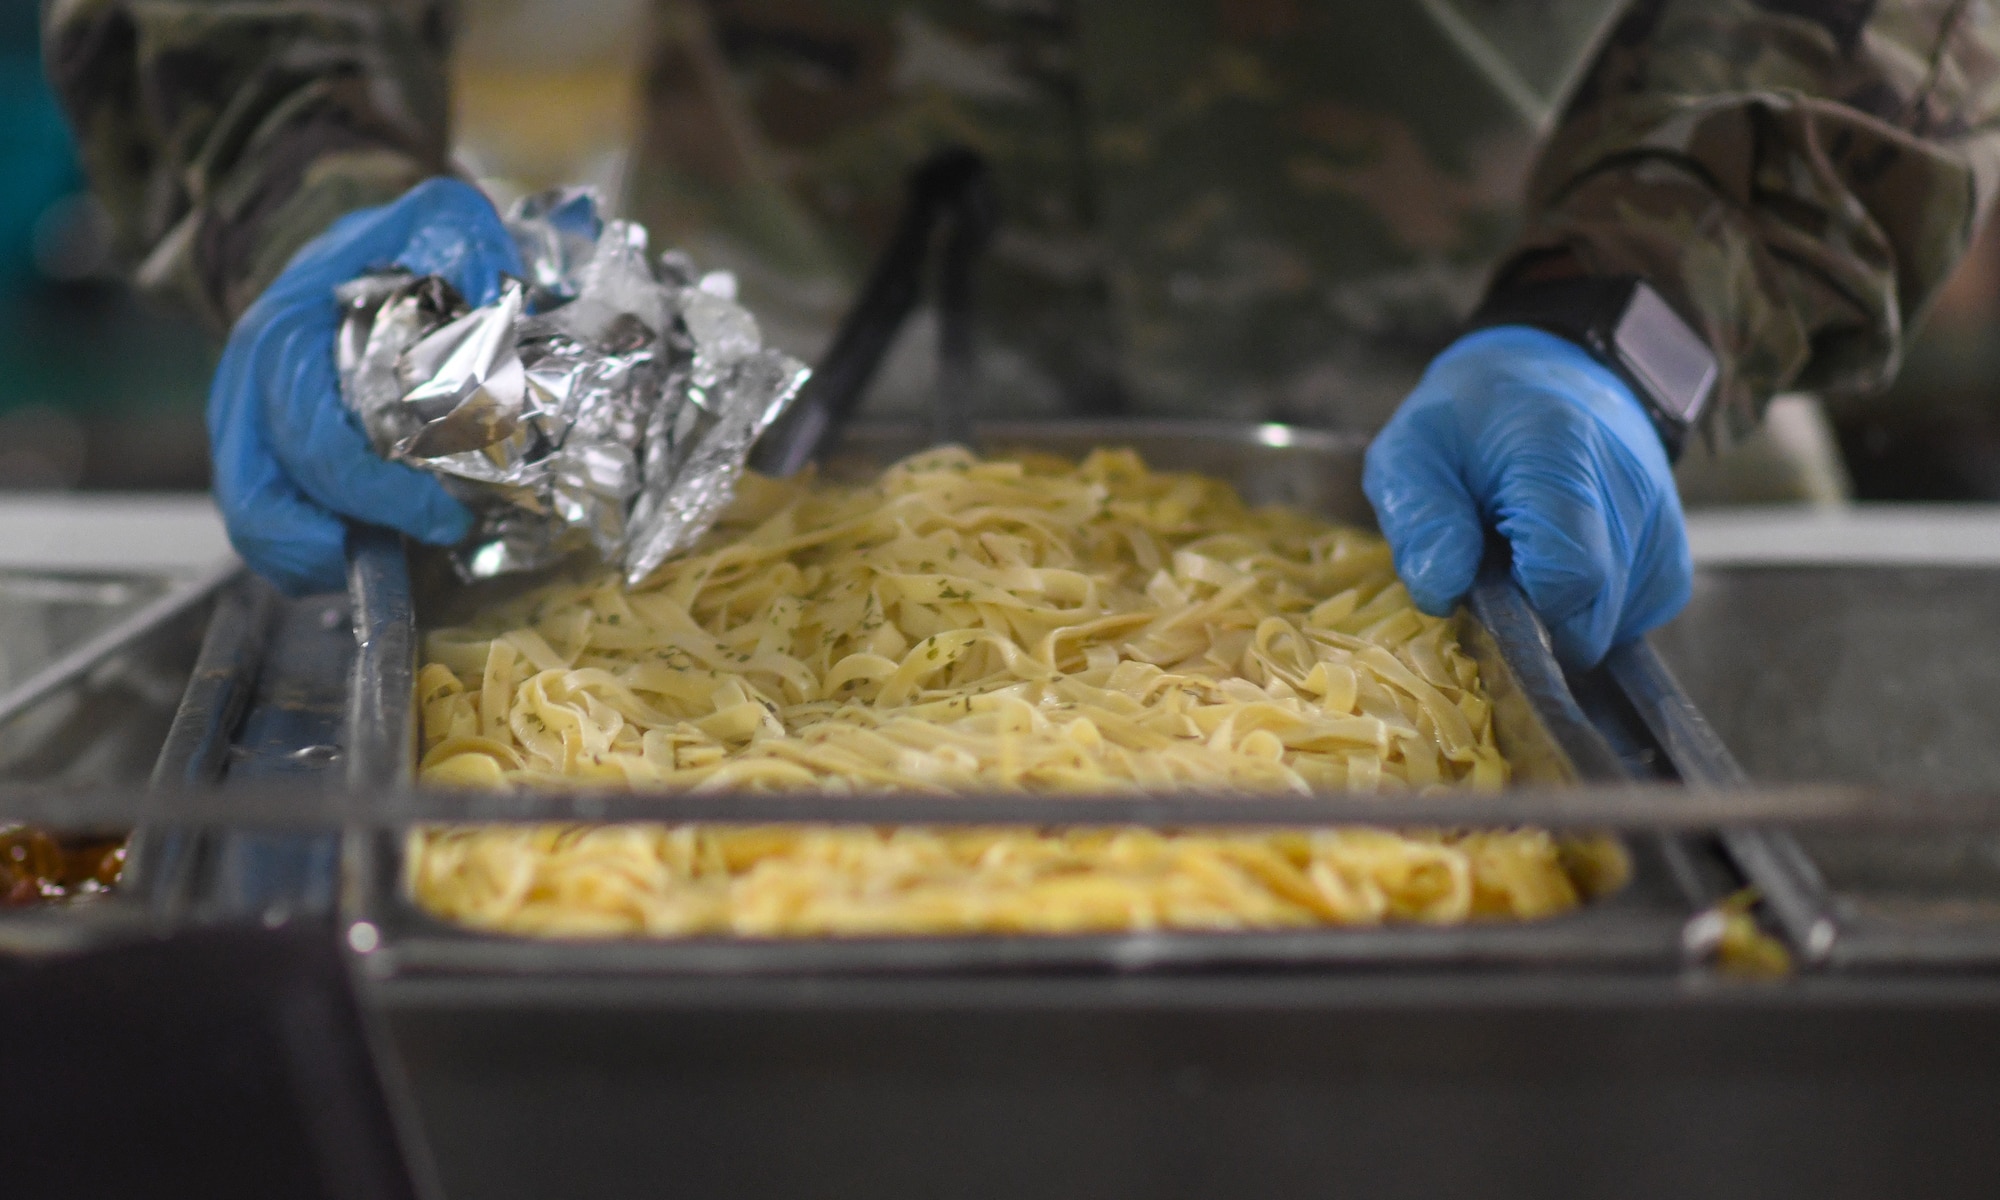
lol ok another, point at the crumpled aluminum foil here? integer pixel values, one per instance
(606, 401)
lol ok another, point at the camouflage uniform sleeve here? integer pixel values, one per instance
(1796, 176)
(221, 135)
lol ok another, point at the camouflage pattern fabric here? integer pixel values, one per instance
(221, 135)
(1247, 209)
(1254, 208)
(1798, 176)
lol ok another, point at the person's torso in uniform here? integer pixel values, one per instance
(1242, 208)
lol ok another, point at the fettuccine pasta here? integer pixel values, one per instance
(793, 881)
(962, 624)
(965, 624)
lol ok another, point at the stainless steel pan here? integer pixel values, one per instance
(1537, 722)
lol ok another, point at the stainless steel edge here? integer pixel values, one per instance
(380, 753)
(1595, 938)
(152, 890)
(277, 804)
(196, 750)
(381, 717)
(1865, 945)
(197, 745)
(381, 735)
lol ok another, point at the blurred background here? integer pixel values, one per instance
(95, 391)
(98, 391)
(101, 391)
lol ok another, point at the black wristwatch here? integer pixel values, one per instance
(1626, 326)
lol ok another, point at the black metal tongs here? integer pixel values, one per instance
(950, 194)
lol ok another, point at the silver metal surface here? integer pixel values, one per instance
(73, 664)
(101, 723)
(196, 749)
(381, 737)
(126, 534)
(1885, 675)
(119, 650)
(1856, 675)
(1853, 535)
(277, 804)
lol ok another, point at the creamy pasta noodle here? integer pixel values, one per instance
(964, 624)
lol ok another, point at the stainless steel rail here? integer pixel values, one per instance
(276, 805)
(381, 713)
(165, 857)
(197, 745)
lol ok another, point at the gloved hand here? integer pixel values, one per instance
(290, 460)
(1524, 430)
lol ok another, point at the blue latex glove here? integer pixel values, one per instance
(290, 460)
(1522, 430)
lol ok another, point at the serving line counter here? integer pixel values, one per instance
(1604, 1052)
(314, 690)
(1145, 1077)
(1856, 645)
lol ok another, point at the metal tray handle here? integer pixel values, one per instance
(1771, 860)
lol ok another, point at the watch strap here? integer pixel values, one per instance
(1626, 325)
